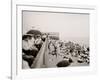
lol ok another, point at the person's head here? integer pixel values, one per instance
(38, 40)
(35, 33)
(38, 36)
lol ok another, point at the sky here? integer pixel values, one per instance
(69, 25)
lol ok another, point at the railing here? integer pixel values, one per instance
(40, 59)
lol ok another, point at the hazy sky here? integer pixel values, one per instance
(67, 24)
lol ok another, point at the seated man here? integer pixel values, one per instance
(38, 42)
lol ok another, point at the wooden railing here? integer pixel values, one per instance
(40, 61)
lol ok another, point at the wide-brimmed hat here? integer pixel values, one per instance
(25, 36)
(35, 32)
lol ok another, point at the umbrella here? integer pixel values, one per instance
(35, 32)
(63, 63)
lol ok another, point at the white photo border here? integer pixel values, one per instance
(17, 71)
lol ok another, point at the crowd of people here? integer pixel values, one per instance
(69, 50)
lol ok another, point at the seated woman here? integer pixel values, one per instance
(27, 61)
(29, 50)
(25, 65)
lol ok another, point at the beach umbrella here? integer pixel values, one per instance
(63, 63)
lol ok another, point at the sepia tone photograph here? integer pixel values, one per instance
(55, 39)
